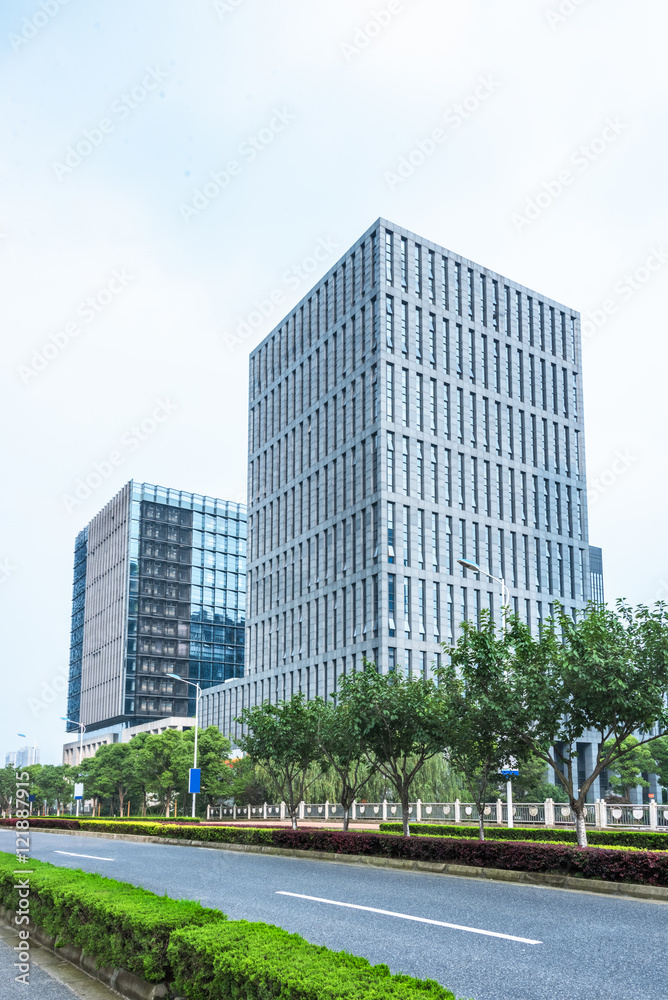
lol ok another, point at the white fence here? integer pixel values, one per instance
(599, 814)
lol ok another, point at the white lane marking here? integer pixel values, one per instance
(407, 916)
(207, 848)
(93, 857)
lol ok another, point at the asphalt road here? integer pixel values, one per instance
(591, 947)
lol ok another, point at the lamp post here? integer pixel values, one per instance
(82, 730)
(505, 593)
(194, 684)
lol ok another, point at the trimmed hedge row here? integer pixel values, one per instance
(646, 840)
(199, 950)
(118, 923)
(637, 866)
(257, 961)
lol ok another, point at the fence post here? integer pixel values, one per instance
(234, 811)
(249, 810)
(418, 811)
(282, 810)
(301, 809)
(384, 810)
(264, 810)
(499, 811)
(327, 809)
(458, 811)
(653, 815)
(549, 812)
(353, 811)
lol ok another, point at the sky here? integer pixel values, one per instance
(169, 170)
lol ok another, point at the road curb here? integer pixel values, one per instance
(654, 893)
(119, 980)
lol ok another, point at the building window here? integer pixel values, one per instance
(405, 468)
(390, 532)
(389, 392)
(404, 329)
(389, 257)
(390, 461)
(418, 270)
(389, 322)
(391, 597)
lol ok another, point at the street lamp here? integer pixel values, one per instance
(505, 593)
(82, 730)
(176, 677)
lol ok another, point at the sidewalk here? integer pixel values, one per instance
(51, 978)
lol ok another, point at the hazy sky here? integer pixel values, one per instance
(168, 165)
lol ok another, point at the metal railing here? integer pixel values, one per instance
(598, 814)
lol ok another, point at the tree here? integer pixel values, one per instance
(399, 720)
(659, 750)
(628, 771)
(168, 760)
(7, 787)
(213, 751)
(480, 737)
(605, 670)
(343, 748)
(282, 739)
(53, 783)
(111, 772)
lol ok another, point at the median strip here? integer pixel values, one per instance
(408, 916)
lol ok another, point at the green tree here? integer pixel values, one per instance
(53, 783)
(399, 720)
(7, 788)
(213, 751)
(282, 739)
(480, 736)
(628, 771)
(659, 750)
(343, 747)
(111, 772)
(607, 670)
(169, 758)
(532, 785)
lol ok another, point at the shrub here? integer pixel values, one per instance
(256, 961)
(120, 924)
(648, 840)
(638, 866)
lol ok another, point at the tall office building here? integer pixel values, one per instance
(414, 409)
(159, 588)
(22, 758)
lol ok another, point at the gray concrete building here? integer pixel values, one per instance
(413, 409)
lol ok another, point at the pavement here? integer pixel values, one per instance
(482, 939)
(50, 978)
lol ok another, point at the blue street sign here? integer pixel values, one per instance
(31, 798)
(194, 780)
(509, 772)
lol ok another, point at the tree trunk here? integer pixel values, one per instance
(481, 823)
(293, 817)
(404, 815)
(346, 817)
(580, 828)
(143, 805)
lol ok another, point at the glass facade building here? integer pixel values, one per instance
(159, 588)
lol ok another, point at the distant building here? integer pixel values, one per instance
(23, 757)
(159, 588)
(75, 752)
(596, 574)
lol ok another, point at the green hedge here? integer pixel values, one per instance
(257, 961)
(205, 955)
(646, 840)
(120, 924)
